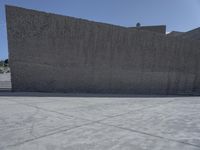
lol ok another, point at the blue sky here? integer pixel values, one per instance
(179, 15)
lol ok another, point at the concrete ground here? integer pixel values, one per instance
(33, 121)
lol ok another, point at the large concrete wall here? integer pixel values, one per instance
(193, 34)
(158, 29)
(54, 53)
(175, 33)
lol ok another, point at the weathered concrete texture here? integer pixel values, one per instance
(88, 123)
(158, 29)
(175, 33)
(193, 34)
(54, 53)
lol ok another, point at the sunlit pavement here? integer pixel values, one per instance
(60, 122)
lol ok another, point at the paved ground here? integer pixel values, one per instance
(57, 122)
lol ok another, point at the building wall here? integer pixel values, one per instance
(158, 29)
(193, 34)
(54, 53)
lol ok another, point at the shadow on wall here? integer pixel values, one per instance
(42, 94)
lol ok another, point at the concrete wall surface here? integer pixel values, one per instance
(54, 53)
(193, 34)
(158, 29)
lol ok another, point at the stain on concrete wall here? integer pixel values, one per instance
(54, 53)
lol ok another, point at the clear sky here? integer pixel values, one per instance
(179, 15)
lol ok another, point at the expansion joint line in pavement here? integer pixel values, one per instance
(52, 111)
(132, 111)
(96, 121)
(149, 134)
(46, 135)
(99, 122)
(67, 115)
